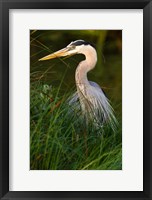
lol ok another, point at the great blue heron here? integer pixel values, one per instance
(94, 104)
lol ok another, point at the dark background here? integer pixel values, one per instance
(107, 73)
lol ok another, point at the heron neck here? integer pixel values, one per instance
(83, 68)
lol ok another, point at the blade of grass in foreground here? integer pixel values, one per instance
(57, 140)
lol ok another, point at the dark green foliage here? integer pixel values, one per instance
(58, 141)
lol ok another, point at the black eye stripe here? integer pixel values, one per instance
(81, 42)
(78, 42)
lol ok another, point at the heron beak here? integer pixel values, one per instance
(57, 54)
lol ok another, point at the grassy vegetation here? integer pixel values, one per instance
(58, 139)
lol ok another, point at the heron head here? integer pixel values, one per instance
(73, 48)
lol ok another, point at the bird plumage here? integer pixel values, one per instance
(89, 98)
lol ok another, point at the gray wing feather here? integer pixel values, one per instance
(74, 98)
(97, 104)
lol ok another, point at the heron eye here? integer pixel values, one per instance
(72, 47)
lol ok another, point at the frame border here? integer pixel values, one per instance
(5, 5)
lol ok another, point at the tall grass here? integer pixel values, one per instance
(59, 140)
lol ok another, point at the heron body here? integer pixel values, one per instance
(93, 103)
